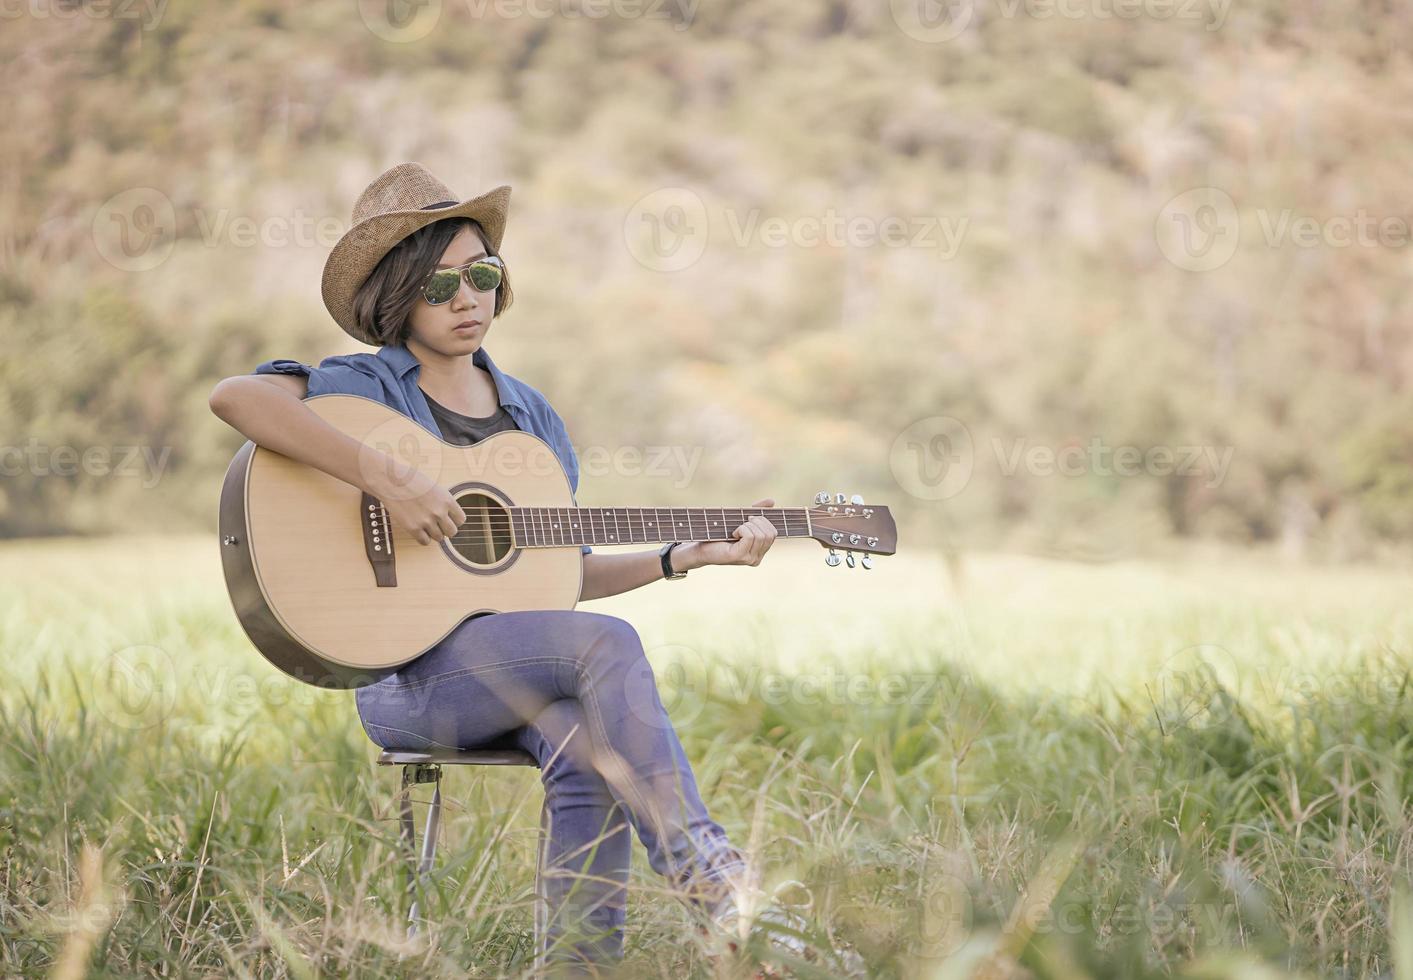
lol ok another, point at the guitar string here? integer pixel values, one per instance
(542, 513)
(548, 533)
(536, 521)
(533, 526)
(543, 518)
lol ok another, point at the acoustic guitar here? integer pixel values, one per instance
(330, 591)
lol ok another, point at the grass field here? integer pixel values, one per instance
(1200, 768)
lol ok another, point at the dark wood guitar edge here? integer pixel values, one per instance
(251, 608)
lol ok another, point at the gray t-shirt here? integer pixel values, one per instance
(464, 430)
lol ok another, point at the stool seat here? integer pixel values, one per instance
(456, 757)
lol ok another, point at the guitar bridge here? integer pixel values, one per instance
(377, 541)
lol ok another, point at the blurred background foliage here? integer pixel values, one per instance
(1057, 321)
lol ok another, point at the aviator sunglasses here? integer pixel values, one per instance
(482, 274)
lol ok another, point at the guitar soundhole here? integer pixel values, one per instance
(484, 539)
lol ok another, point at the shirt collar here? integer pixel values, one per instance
(402, 360)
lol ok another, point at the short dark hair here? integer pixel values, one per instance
(384, 303)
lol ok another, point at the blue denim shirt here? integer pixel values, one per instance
(390, 376)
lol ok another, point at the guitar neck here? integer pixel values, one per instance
(553, 527)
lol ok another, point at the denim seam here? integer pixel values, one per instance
(595, 715)
(414, 735)
(481, 669)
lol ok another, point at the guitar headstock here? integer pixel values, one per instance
(847, 522)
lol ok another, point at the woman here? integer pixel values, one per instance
(420, 276)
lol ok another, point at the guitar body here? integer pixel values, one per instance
(333, 594)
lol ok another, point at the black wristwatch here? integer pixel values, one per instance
(666, 555)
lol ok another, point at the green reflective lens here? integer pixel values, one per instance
(442, 286)
(483, 275)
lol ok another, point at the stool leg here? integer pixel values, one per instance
(429, 846)
(541, 927)
(409, 840)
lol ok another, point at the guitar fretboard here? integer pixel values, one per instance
(549, 527)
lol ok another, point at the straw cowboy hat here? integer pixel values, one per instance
(393, 206)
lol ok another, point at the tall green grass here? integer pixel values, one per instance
(1080, 775)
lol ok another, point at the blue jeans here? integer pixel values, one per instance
(575, 690)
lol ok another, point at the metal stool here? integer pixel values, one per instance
(426, 767)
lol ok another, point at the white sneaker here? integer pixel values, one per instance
(783, 928)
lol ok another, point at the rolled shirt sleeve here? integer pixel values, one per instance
(330, 378)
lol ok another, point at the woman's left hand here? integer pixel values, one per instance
(750, 543)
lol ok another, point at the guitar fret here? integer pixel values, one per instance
(531, 527)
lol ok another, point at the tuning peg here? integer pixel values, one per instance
(822, 497)
(856, 499)
(866, 561)
(839, 497)
(832, 558)
(849, 558)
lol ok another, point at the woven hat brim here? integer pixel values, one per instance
(359, 251)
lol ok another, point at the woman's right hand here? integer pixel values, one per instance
(417, 504)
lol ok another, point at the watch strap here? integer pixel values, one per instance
(665, 556)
